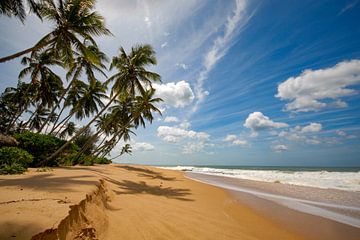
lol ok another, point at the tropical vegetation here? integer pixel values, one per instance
(64, 84)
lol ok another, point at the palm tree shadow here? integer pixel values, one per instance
(130, 187)
(143, 172)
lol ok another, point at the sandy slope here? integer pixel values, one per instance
(132, 202)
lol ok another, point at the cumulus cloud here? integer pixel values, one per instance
(279, 148)
(177, 94)
(314, 90)
(235, 140)
(230, 138)
(171, 119)
(312, 127)
(142, 146)
(193, 147)
(303, 134)
(257, 121)
(175, 134)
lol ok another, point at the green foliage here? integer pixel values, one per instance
(86, 140)
(102, 160)
(42, 146)
(14, 160)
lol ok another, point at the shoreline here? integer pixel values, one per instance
(333, 208)
(143, 202)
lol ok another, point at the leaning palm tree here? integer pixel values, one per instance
(144, 106)
(90, 61)
(90, 101)
(42, 79)
(125, 149)
(73, 20)
(131, 77)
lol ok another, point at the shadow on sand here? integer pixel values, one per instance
(130, 187)
(143, 172)
(47, 182)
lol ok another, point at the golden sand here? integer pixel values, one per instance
(125, 202)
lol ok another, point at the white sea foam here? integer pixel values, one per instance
(349, 181)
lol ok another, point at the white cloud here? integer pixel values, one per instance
(185, 125)
(230, 138)
(142, 146)
(314, 90)
(164, 44)
(220, 46)
(235, 140)
(301, 134)
(257, 121)
(312, 127)
(279, 148)
(175, 134)
(240, 142)
(182, 65)
(171, 119)
(193, 147)
(177, 94)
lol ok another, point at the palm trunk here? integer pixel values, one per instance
(57, 119)
(87, 144)
(63, 123)
(32, 115)
(57, 105)
(18, 54)
(82, 130)
(15, 118)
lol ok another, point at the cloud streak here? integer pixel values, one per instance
(219, 48)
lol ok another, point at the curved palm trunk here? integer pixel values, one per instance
(29, 50)
(87, 145)
(31, 117)
(82, 130)
(62, 124)
(57, 105)
(15, 118)
(57, 119)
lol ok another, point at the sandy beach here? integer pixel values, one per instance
(141, 202)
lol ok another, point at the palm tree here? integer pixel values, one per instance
(73, 21)
(89, 62)
(42, 79)
(16, 8)
(68, 131)
(144, 107)
(125, 149)
(90, 101)
(131, 76)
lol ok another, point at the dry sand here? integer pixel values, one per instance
(126, 202)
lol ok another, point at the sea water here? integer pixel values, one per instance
(342, 178)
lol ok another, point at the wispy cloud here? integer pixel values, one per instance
(235, 21)
(348, 7)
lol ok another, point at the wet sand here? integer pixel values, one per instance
(317, 213)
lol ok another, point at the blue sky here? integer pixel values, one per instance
(244, 82)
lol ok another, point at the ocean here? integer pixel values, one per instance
(342, 178)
